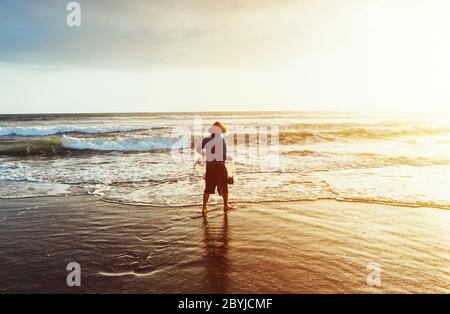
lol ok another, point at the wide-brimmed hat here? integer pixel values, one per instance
(218, 124)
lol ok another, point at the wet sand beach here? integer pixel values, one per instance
(302, 247)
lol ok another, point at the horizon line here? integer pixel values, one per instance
(181, 112)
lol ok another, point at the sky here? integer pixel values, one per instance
(227, 55)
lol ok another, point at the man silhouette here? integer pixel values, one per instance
(216, 172)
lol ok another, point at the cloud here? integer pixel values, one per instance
(138, 32)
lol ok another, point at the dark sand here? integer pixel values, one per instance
(302, 247)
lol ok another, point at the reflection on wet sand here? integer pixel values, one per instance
(216, 259)
(290, 247)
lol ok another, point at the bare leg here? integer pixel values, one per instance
(225, 201)
(205, 202)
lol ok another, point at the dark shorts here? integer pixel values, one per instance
(216, 175)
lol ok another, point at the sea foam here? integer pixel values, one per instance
(44, 131)
(124, 144)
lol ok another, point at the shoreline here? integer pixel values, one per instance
(330, 199)
(322, 246)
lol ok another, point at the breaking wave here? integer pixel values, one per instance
(291, 136)
(125, 144)
(46, 131)
(68, 145)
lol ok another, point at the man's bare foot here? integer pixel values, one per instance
(204, 210)
(229, 207)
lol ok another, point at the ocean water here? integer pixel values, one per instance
(148, 159)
